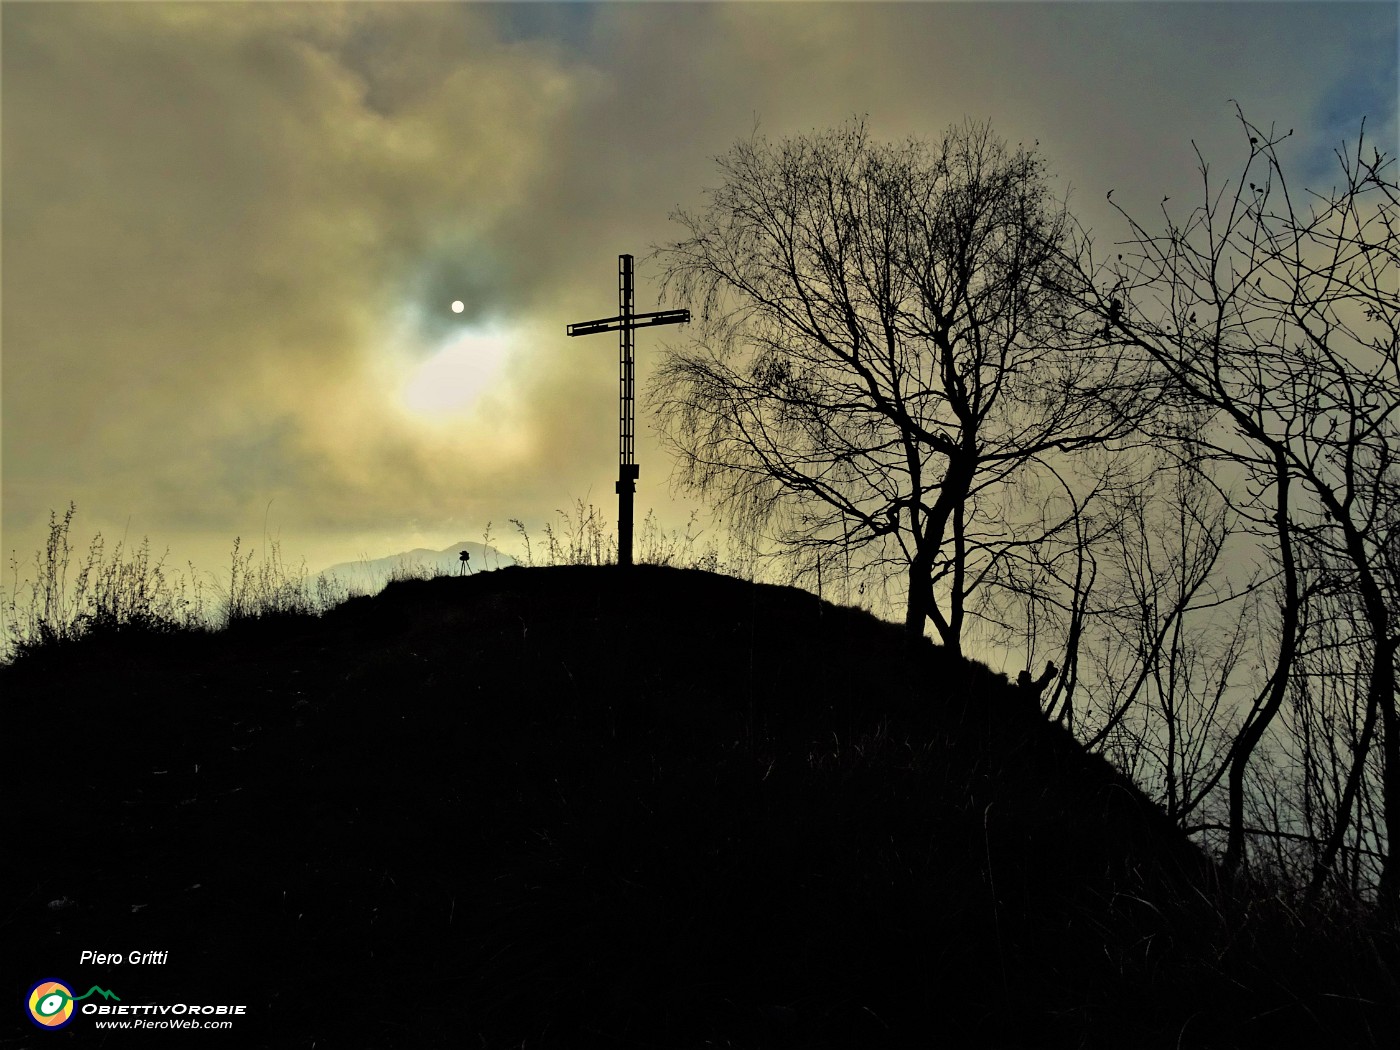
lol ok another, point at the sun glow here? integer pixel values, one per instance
(455, 378)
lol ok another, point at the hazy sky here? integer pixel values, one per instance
(232, 233)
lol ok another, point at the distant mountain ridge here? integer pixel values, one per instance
(370, 576)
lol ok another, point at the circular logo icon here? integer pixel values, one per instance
(51, 1004)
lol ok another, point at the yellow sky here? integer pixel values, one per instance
(232, 233)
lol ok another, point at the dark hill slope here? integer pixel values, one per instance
(577, 806)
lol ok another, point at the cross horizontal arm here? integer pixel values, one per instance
(613, 324)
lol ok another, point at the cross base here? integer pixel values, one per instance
(626, 488)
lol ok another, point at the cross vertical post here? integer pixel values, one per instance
(628, 471)
(625, 323)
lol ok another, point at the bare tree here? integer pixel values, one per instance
(1328, 719)
(1147, 600)
(1281, 315)
(882, 356)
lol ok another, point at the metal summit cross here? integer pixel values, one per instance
(624, 324)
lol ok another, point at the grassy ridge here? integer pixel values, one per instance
(574, 806)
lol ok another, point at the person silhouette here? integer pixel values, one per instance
(1037, 686)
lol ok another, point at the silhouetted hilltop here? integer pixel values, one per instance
(588, 807)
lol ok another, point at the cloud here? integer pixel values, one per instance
(216, 216)
(231, 231)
